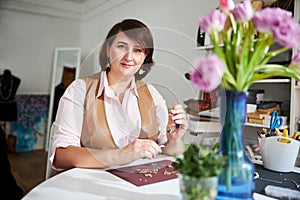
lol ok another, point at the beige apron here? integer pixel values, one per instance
(95, 129)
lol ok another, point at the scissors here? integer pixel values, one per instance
(275, 121)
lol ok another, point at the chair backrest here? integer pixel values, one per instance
(49, 170)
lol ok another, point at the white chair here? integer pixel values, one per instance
(49, 170)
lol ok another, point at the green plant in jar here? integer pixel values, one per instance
(198, 169)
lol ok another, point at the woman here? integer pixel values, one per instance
(111, 118)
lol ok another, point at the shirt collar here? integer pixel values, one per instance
(104, 85)
(103, 82)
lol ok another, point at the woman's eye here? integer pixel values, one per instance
(121, 46)
(138, 50)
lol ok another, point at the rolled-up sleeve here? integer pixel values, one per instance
(67, 127)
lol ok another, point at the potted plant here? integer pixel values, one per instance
(198, 170)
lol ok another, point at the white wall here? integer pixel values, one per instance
(27, 42)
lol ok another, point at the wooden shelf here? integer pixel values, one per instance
(264, 125)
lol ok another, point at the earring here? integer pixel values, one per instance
(141, 71)
(107, 66)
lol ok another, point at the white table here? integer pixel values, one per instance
(98, 184)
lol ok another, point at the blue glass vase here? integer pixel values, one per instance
(236, 181)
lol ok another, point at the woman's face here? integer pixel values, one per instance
(126, 56)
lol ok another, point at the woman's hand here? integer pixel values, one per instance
(141, 148)
(176, 129)
(177, 124)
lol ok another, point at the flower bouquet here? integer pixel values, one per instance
(243, 57)
(240, 56)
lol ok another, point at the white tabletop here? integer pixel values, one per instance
(99, 184)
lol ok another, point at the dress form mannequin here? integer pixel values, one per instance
(9, 85)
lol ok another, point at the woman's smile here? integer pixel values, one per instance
(127, 65)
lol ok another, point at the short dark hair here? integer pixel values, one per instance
(137, 31)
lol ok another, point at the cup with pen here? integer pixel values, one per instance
(275, 123)
(279, 153)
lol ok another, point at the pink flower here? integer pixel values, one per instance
(296, 60)
(296, 57)
(280, 23)
(207, 73)
(297, 38)
(243, 11)
(215, 20)
(226, 5)
(285, 33)
(266, 18)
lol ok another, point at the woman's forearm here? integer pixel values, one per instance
(71, 156)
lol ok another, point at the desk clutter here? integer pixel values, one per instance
(278, 150)
(277, 185)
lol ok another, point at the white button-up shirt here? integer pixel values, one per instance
(124, 119)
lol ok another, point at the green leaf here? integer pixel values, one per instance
(229, 54)
(271, 70)
(200, 161)
(271, 54)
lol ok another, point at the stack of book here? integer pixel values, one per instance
(257, 117)
(269, 106)
(264, 108)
